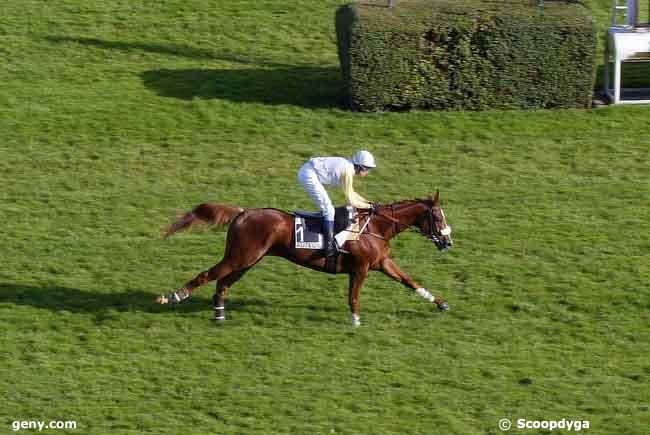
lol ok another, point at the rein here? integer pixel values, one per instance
(397, 223)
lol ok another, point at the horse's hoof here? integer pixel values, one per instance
(444, 306)
(162, 300)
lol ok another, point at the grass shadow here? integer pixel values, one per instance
(81, 301)
(308, 87)
(177, 50)
(102, 303)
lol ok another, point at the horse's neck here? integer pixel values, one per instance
(404, 215)
(408, 212)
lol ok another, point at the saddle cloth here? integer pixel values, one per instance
(308, 228)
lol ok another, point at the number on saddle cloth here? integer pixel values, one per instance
(308, 226)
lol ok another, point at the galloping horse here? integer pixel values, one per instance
(257, 232)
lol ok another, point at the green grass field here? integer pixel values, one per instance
(114, 115)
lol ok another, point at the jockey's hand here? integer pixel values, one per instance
(374, 207)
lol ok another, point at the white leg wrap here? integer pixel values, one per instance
(175, 298)
(425, 294)
(356, 320)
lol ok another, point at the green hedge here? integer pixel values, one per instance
(467, 54)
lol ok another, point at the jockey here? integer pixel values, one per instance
(337, 171)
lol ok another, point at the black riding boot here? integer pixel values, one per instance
(330, 243)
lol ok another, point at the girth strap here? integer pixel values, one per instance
(331, 263)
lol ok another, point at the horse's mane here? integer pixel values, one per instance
(402, 202)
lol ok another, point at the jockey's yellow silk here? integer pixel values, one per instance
(354, 199)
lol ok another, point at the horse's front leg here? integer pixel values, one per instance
(389, 267)
(357, 277)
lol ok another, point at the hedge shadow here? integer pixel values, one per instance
(308, 87)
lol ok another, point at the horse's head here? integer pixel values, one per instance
(433, 224)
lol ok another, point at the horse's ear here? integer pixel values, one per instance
(436, 198)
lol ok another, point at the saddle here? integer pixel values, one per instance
(308, 227)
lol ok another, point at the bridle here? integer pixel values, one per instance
(434, 235)
(446, 231)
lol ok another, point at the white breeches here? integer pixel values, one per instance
(309, 180)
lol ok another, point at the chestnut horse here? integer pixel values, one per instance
(257, 232)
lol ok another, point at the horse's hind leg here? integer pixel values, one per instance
(219, 297)
(221, 269)
(246, 244)
(234, 264)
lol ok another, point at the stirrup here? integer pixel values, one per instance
(331, 251)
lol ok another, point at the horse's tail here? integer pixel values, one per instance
(208, 213)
